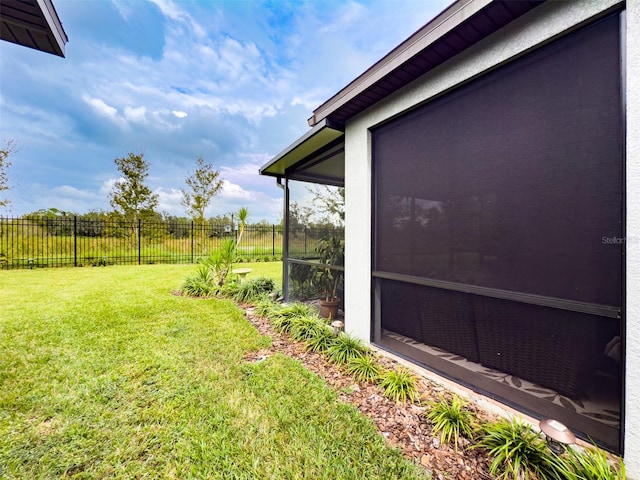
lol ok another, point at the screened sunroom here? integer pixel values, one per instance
(311, 173)
(484, 162)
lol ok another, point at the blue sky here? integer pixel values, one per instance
(232, 81)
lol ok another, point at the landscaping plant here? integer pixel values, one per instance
(345, 348)
(304, 328)
(517, 451)
(202, 284)
(451, 420)
(364, 368)
(321, 340)
(251, 290)
(282, 317)
(399, 385)
(590, 464)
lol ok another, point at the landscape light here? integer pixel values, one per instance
(558, 435)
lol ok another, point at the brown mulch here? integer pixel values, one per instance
(403, 425)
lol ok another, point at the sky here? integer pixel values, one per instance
(231, 81)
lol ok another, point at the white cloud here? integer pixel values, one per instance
(101, 108)
(169, 201)
(173, 12)
(135, 114)
(349, 14)
(234, 191)
(125, 9)
(179, 113)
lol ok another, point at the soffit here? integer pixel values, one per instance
(34, 24)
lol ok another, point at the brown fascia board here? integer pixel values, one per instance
(446, 21)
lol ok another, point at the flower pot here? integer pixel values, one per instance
(329, 309)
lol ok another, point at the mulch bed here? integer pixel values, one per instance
(403, 425)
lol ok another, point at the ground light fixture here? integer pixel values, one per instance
(337, 326)
(558, 435)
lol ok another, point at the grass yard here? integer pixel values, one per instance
(105, 374)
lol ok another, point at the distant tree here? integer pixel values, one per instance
(330, 202)
(10, 147)
(130, 196)
(202, 186)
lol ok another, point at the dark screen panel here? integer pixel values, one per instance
(513, 181)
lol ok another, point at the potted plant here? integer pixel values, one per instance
(327, 279)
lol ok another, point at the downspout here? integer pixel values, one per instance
(285, 237)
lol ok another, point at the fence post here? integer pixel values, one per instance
(139, 241)
(305, 241)
(192, 241)
(75, 241)
(273, 240)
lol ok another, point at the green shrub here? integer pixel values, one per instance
(252, 289)
(590, 464)
(344, 348)
(304, 328)
(265, 307)
(200, 285)
(321, 340)
(282, 318)
(451, 419)
(399, 385)
(518, 451)
(364, 368)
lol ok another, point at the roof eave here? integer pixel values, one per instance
(446, 21)
(321, 135)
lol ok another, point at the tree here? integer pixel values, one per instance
(330, 202)
(10, 147)
(243, 214)
(130, 196)
(203, 185)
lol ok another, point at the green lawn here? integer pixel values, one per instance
(105, 374)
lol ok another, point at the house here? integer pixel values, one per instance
(34, 24)
(490, 164)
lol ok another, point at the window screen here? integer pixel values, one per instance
(514, 180)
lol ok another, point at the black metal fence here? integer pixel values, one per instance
(73, 241)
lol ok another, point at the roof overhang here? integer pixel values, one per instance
(34, 24)
(458, 27)
(461, 25)
(323, 142)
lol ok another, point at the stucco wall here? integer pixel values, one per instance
(538, 26)
(632, 403)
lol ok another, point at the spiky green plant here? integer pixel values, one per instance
(399, 385)
(590, 464)
(345, 348)
(202, 284)
(282, 318)
(265, 307)
(364, 369)
(517, 451)
(252, 289)
(304, 328)
(321, 340)
(221, 260)
(451, 419)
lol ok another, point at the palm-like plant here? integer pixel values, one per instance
(399, 385)
(243, 214)
(518, 452)
(451, 419)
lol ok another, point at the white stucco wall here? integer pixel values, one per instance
(632, 394)
(538, 26)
